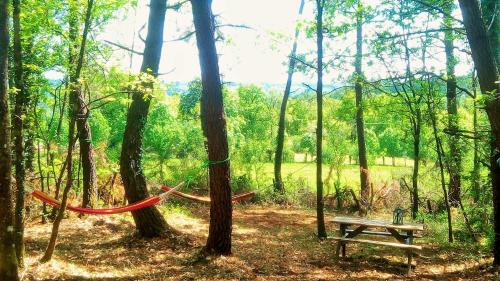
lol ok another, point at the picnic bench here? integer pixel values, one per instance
(351, 227)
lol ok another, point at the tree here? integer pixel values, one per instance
(487, 72)
(81, 112)
(490, 14)
(439, 151)
(17, 131)
(76, 65)
(319, 123)
(406, 84)
(8, 261)
(214, 129)
(360, 124)
(148, 221)
(280, 138)
(455, 161)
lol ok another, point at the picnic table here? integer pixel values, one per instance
(351, 227)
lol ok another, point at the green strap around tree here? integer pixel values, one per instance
(191, 176)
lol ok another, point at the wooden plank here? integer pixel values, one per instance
(377, 223)
(380, 243)
(381, 233)
(372, 232)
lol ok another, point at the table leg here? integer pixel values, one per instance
(409, 241)
(341, 244)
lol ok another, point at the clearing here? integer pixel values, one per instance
(269, 243)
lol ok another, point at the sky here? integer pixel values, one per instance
(255, 55)
(247, 55)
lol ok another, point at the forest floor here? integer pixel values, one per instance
(269, 243)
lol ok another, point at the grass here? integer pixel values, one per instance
(305, 173)
(349, 177)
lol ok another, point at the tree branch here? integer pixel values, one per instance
(309, 87)
(124, 47)
(303, 62)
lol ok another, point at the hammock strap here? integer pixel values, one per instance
(205, 165)
(206, 199)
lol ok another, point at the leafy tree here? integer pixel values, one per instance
(72, 137)
(17, 131)
(148, 221)
(319, 124)
(278, 157)
(189, 102)
(214, 129)
(487, 72)
(8, 261)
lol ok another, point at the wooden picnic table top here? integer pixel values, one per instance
(377, 223)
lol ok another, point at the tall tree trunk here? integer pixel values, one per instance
(49, 251)
(455, 161)
(214, 128)
(360, 125)
(19, 113)
(417, 123)
(30, 106)
(29, 147)
(476, 187)
(42, 182)
(440, 152)
(491, 19)
(487, 73)
(319, 124)
(77, 101)
(86, 154)
(75, 89)
(148, 221)
(280, 138)
(495, 182)
(8, 261)
(484, 62)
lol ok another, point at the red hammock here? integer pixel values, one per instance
(129, 208)
(205, 199)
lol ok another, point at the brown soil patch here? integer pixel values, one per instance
(269, 243)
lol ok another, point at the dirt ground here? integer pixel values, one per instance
(269, 243)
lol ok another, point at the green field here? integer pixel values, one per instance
(306, 172)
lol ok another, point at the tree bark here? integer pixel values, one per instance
(490, 10)
(476, 169)
(49, 251)
(214, 128)
(81, 112)
(495, 182)
(75, 92)
(484, 62)
(440, 152)
(42, 182)
(19, 115)
(360, 124)
(487, 72)
(8, 261)
(417, 123)
(455, 158)
(87, 155)
(319, 124)
(148, 221)
(280, 138)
